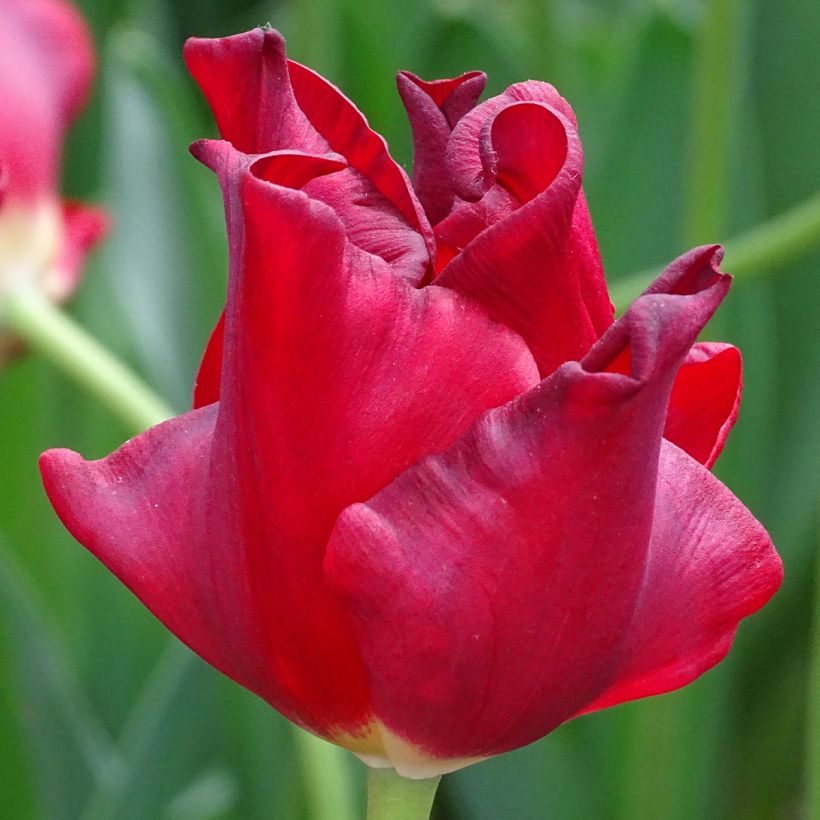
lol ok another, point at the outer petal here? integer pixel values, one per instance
(344, 378)
(434, 108)
(525, 248)
(495, 549)
(705, 400)
(263, 102)
(46, 63)
(151, 513)
(710, 565)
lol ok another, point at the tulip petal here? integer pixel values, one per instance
(246, 81)
(264, 102)
(150, 515)
(433, 109)
(495, 549)
(376, 372)
(710, 565)
(84, 227)
(705, 400)
(523, 245)
(206, 384)
(336, 376)
(347, 131)
(58, 32)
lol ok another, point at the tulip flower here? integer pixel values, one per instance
(433, 501)
(46, 65)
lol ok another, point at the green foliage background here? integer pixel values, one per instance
(700, 120)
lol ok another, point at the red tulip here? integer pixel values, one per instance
(46, 64)
(433, 503)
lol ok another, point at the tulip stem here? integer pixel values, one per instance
(327, 776)
(392, 797)
(28, 314)
(773, 244)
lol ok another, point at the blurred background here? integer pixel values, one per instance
(700, 121)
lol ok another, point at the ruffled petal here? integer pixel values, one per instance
(710, 565)
(263, 102)
(347, 131)
(246, 82)
(434, 108)
(518, 554)
(521, 244)
(705, 400)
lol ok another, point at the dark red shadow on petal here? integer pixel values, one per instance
(434, 108)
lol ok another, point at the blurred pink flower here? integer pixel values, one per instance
(46, 65)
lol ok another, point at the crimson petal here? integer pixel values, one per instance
(148, 512)
(525, 248)
(264, 102)
(705, 400)
(347, 131)
(546, 502)
(434, 108)
(376, 372)
(710, 565)
(337, 376)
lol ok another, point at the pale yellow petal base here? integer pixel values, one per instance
(380, 748)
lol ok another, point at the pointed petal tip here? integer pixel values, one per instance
(211, 153)
(447, 84)
(57, 466)
(663, 323)
(691, 273)
(260, 37)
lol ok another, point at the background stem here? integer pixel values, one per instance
(77, 354)
(329, 781)
(773, 245)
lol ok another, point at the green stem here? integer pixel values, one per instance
(51, 332)
(717, 85)
(772, 245)
(392, 797)
(327, 776)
